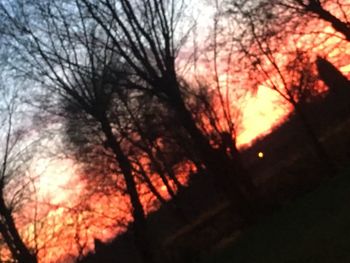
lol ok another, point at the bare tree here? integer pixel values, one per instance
(288, 71)
(72, 66)
(137, 137)
(218, 95)
(279, 11)
(144, 34)
(319, 8)
(332, 76)
(14, 188)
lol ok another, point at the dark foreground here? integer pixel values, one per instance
(314, 228)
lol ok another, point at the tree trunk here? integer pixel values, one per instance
(142, 240)
(336, 23)
(332, 76)
(8, 229)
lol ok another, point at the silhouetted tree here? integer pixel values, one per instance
(281, 12)
(331, 76)
(144, 34)
(139, 139)
(71, 65)
(318, 8)
(290, 71)
(13, 186)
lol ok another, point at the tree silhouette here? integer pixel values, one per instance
(55, 53)
(318, 8)
(289, 71)
(144, 34)
(13, 186)
(281, 12)
(331, 76)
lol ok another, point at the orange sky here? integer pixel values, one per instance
(260, 114)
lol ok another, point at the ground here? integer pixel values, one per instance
(312, 229)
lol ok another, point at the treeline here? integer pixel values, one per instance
(106, 71)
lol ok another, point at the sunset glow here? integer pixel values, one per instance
(260, 114)
(56, 179)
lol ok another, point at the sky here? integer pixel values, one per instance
(262, 112)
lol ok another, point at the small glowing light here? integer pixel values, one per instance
(261, 155)
(163, 188)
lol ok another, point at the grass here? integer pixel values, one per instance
(312, 229)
